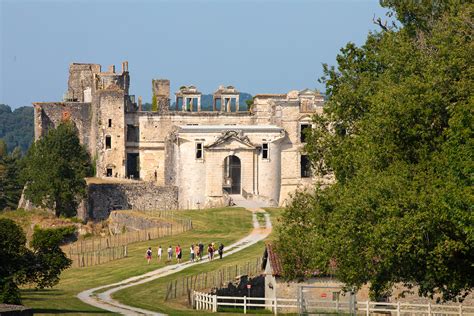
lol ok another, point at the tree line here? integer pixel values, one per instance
(397, 136)
(52, 174)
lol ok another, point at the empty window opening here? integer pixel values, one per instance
(109, 172)
(179, 103)
(199, 151)
(108, 142)
(218, 104)
(305, 167)
(133, 133)
(304, 129)
(265, 153)
(110, 122)
(233, 104)
(133, 166)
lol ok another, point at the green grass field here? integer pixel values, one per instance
(225, 225)
(151, 295)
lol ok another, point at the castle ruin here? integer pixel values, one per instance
(205, 155)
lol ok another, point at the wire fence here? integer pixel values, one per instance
(212, 279)
(105, 242)
(97, 250)
(92, 258)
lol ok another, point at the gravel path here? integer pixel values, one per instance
(105, 301)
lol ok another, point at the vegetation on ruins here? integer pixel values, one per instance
(154, 103)
(397, 135)
(41, 265)
(10, 183)
(54, 170)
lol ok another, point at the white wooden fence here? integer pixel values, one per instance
(203, 301)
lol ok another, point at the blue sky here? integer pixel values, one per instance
(257, 46)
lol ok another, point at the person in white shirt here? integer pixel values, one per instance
(160, 252)
(170, 253)
(191, 249)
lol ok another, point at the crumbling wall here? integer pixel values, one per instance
(129, 220)
(49, 115)
(81, 80)
(104, 198)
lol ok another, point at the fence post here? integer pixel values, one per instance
(429, 308)
(214, 307)
(460, 309)
(245, 304)
(367, 307)
(398, 308)
(275, 308)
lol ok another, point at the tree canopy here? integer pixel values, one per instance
(54, 170)
(19, 265)
(10, 182)
(397, 136)
(16, 127)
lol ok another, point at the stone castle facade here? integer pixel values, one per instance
(206, 154)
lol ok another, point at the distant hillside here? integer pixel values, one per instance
(16, 127)
(206, 102)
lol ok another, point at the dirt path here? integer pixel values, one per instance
(105, 301)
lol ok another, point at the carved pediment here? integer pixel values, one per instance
(228, 137)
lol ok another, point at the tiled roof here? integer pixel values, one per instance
(274, 260)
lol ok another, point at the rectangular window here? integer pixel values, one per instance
(265, 151)
(108, 142)
(110, 122)
(109, 172)
(305, 167)
(303, 130)
(133, 133)
(199, 151)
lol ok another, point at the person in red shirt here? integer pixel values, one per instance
(178, 253)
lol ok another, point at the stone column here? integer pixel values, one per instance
(237, 103)
(199, 104)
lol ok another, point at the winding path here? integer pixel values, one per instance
(105, 301)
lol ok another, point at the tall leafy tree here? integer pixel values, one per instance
(397, 135)
(40, 265)
(54, 170)
(10, 182)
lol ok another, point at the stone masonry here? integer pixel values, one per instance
(202, 156)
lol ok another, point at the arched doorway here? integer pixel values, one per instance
(232, 174)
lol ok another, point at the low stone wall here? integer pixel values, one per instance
(15, 310)
(118, 220)
(104, 198)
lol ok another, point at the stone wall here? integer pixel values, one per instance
(49, 115)
(129, 220)
(104, 198)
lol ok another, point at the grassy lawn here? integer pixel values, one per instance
(225, 225)
(151, 295)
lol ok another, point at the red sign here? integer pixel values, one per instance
(249, 286)
(324, 295)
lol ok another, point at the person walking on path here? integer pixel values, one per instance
(160, 253)
(201, 250)
(196, 252)
(221, 250)
(191, 252)
(178, 253)
(210, 252)
(148, 255)
(170, 253)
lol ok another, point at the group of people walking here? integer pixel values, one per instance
(196, 252)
